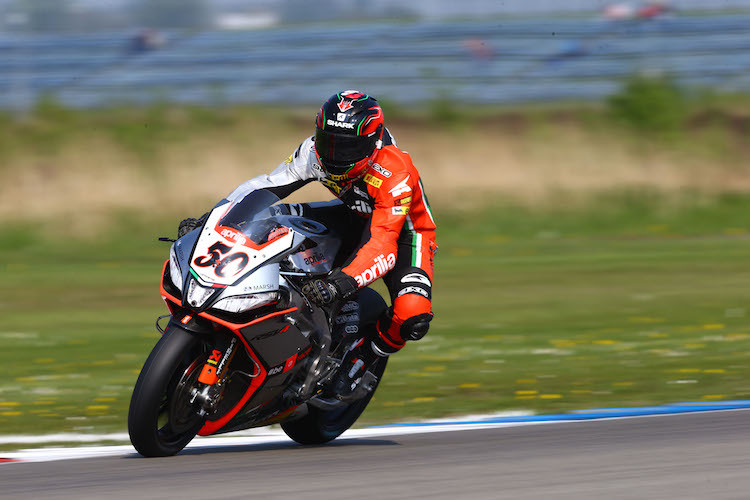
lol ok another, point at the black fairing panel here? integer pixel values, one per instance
(273, 346)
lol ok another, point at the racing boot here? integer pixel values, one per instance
(357, 360)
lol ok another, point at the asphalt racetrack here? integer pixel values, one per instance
(687, 456)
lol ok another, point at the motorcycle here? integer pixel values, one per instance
(243, 346)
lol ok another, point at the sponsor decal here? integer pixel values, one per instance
(315, 259)
(279, 231)
(289, 160)
(331, 185)
(347, 318)
(400, 210)
(382, 171)
(381, 266)
(336, 123)
(360, 192)
(275, 370)
(350, 306)
(339, 177)
(414, 289)
(400, 188)
(403, 201)
(341, 116)
(374, 181)
(351, 329)
(258, 288)
(361, 207)
(416, 278)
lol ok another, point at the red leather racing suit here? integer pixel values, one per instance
(400, 244)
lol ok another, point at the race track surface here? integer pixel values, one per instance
(689, 456)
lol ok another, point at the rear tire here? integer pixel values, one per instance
(320, 426)
(161, 421)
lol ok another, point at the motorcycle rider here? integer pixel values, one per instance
(381, 213)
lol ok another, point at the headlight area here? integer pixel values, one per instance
(175, 273)
(242, 303)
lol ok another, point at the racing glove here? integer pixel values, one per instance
(336, 286)
(189, 224)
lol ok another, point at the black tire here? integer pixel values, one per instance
(161, 421)
(320, 426)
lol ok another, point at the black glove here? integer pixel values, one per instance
(336, 286)
(189, 224)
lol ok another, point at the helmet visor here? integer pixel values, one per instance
(339, 152)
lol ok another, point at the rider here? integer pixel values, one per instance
(382, 212)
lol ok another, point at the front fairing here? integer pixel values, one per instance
(235, 254)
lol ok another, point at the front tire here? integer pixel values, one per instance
(161, 420)
(320, 426)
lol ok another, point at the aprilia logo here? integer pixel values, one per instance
(382, 265)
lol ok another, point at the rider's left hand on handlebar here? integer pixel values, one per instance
(336, 286)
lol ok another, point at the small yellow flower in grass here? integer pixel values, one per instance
(695, 346)
(581, 391)
(469, 386)
(713, 397)
(424, 399)
(525, 397)
(713, 326)
(606, 342)
(9, 403)
(550, 396)
(104, 400)
(623, 384)
(715, 370)
(526, 393)
(97, 407)
(11, 413)
(45, 402)
(103, 362)
(689, 370)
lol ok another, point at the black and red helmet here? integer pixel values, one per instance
(348, 130)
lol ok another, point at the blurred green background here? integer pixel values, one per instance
(604, 263)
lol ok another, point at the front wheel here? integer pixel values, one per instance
(320, 426)
(161, 420)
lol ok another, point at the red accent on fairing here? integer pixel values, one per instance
(248, 242)
(290, 363)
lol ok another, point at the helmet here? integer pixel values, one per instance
(348, 131)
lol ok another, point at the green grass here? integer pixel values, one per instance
(626, 300)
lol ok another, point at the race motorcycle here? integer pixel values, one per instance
(243, 347)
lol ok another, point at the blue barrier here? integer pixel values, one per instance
(521, 60)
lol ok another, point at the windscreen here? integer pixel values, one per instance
(250, 216)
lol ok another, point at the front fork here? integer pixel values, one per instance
(211, 380)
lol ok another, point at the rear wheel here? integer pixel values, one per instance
(161, 420)
(320, 426)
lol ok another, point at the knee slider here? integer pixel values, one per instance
(416, 327)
